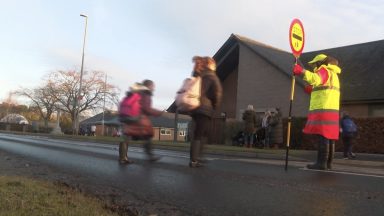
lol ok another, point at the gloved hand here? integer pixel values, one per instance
(308, 89)
(297, 70)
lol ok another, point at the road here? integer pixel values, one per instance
(225, 186)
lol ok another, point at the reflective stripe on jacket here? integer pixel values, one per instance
(323, 116)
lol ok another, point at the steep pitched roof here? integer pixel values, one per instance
(362, 70)
(362, 65)
(283, 61)
(227, 58)
(108, 117)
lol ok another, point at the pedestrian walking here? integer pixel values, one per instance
(210, 99)
(267, 128)
(348, 131)
(323, 116)
(277, 128)
(93, 130)
(249, 119)
(140, 127)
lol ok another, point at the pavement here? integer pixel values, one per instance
(363, 164)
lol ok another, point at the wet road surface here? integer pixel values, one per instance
(226, 186)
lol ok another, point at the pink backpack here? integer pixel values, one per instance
(130, 107)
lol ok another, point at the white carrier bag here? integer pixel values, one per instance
(188, 96)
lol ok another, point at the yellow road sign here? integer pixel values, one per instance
(296, 37)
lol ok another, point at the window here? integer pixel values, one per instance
(165, 132)
(182, 133)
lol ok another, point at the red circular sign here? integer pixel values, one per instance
(296, 37)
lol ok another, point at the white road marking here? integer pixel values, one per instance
(343, 172)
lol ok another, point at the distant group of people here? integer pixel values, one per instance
(261, 129)
(88, 131)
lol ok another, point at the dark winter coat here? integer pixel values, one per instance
(344, 129)
(277, 130)
(211, 94)
(250, 122)
(146, 104)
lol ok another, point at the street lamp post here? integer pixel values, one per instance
(105, 89)
(81, 74)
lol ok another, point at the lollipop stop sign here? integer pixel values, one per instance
(296, 37)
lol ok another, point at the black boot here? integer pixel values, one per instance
(317, 158)
(331, 154)
(323, 153)
(148, 150)
(194, 154)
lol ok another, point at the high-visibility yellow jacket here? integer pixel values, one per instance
(323, 116)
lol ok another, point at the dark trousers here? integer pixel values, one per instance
(248, 138)
(201, 129)
(347, 142)
(202, 125)
(324, 141)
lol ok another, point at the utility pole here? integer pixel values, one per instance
(79, 96)
(105, 89)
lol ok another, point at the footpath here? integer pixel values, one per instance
(363, 164)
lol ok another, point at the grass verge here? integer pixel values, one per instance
(23, 196)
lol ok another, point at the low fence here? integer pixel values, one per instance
(24, 128)
(15, 127)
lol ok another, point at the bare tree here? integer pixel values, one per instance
(10, 102)
(42, 99)
(65, 88)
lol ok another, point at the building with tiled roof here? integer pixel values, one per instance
(163, 125)
(258, 74)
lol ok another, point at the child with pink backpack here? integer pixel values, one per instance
(134, 112)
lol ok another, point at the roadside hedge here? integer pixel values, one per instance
(370, 138)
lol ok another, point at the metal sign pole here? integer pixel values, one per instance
(296, 41)
(290, 119)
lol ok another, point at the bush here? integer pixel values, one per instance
(231, 130)
(370, 137)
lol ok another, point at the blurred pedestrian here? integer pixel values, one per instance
(93, 130)
(277, 128)
(210, 99)
(141, 127)
(267, 128)
(323, 116)
(148, 110)
(348, 133)
(249, 118)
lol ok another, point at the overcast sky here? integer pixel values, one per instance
(132, 40)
